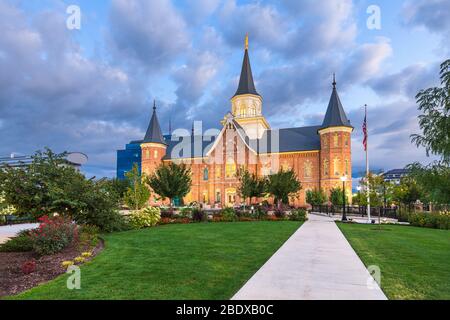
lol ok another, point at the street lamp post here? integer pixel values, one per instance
(344, 216)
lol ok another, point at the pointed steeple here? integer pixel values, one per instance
(153, 134)
(335, 115)
(246, 84)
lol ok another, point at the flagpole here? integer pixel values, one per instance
(367, 167)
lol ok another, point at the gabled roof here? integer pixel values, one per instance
(290, 140)
(246, 84)
(335, 115)
(153, 133)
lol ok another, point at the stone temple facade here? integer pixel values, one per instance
(320, 155)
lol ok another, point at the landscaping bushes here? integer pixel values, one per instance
(147, 217)
(53, 235)
(20, 243)
(298, 215)
(229, 214)
(199, 215)
(439, 220)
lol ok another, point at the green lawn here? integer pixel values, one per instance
(414, 262)
(183, 261)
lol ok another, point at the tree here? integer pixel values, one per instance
(49, 186)
(381, 192)
(336, 197)
(171, 181)
(250, 185)
(137, 193)
(433, 179)
(408, 191)
(283, 185)
(435, 120)
(316, 197)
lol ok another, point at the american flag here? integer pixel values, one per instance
(364, 128)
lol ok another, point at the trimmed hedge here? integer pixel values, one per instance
(430, 220)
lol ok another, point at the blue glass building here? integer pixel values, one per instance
(127, 158)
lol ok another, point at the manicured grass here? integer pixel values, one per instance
(414, 262)
(183, 261)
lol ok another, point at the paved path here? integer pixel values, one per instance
(7, 232)
(316, 262)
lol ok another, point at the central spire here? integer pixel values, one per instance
(246, 84)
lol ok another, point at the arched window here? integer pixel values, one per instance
(336, 163)
(230, 168)
(308, 169)
(205, 174)
(336, 140)
(325, 167)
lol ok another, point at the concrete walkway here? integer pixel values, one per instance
(7, 232)
(316, 262)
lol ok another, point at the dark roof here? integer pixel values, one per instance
(396, 171)
(246, 84)
(153, 133)
(290, 139)
(335, 115)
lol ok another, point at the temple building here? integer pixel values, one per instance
(320, 155)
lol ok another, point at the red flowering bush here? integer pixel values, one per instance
(29, 267)
(53, 235)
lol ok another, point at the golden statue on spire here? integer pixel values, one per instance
(246, 41)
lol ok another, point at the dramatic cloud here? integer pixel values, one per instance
(407, 82)
(433, 15)
(57, 90)
(50, 95)
(151, 33)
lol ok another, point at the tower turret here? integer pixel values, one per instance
(335, 138)
(246, 104)
(153, 147)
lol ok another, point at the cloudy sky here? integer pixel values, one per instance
(91, 89)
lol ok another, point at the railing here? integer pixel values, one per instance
(357, 210)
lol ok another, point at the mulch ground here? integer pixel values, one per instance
(14, 281)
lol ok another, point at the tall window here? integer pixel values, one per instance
(346, 167)
(308, 169)
(218, 172)
(325, 168)
(336, 166)
(230, 168)
(155, 154)
(205, 174)
(336, 140)
(147, 154)
(218, 196)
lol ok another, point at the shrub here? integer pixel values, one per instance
(167, 214)
(228, 214)
(53, 235)
(279, 213)
(20, 243)
(88, 236)
(439, 220)
(29, 267)
(199, 215)
(186, 212)
(147, 217)
(260, 213)
(298, 215)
